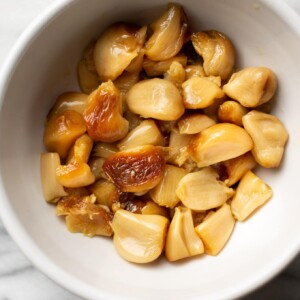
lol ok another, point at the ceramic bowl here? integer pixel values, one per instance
(43, 64)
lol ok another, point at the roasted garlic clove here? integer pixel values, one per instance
(165, 192)
(155, 98)
(202, 190)
(216, 230)
(118, 45)
(157, 68)
(137, 169)
(194, 123)
(200, 92)
(51, 187)
(103, 114)
(139, 238)
(147, 133)
(194, 71)
(104, 150)
(62, 130)
(269, 136)
(218, 143)
(175, 74)
(169, 33)
(182, 240)
(232, 170)
(81, 150)
(87, 75)
(74, 175)
(232, 112)
(251, 193)
(251, 86)
(105, 192)
(68, 101)
(217, 51)
(82, 215)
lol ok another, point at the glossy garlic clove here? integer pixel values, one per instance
(182, 240)
(115, 49)
(81, 150)
(155, 98)
(169, 33)
(251, 193)
(269, 136)
(217, 51)
(139, 238)
(216, 229)
(251, 86)
(200, 92)
(175, 74)
(218, 143)
(62, 130)
(103, 114)
(137, 169)
(202, 190)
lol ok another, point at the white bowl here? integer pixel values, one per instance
(43, 64)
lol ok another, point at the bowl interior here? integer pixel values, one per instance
(91, 267)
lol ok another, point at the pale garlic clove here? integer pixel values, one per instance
(68, 101)
(251, 86)
(83, 215)
(182, 240)
(269, 136)
(202, 190)
(104, 150)
(81, 150)
(147, 133)
(179, 140)
(118, 45)
(251, 193)
(137, 169)
(103, 114)
(194, 71)
(216, 230)
(87, 75)
(194, 123)
(200, 92)
(218, 143)
(155, 98)
(139, 238)
(165, 192)
(74, 175)
(217, 51)
(51, 187)
(232, 170)
(96, 164)
(169, 33)
(157, 68)
(175, 74)
(105, 192)
(62, 130)
(232, 112)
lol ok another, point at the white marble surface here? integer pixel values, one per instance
(19, 280)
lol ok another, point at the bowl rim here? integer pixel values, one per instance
(27, 244)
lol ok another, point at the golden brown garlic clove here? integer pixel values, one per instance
(219, 142)
(139, 238)
(137, 169)
(155, 98)
(217, 51)
(62, 130)
(103, 114)
(169, 33)
(81, 150)
(269, 136)
(251, 86)
(202, 190)
(232, 112)
(251, 193)
(182, 240)
(115, 49)
(200, 92)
